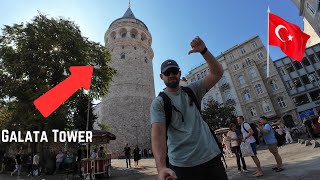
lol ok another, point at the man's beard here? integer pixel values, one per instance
(172, 84)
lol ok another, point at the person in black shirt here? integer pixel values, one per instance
(308, 124)
(3, 162)
(127, 153)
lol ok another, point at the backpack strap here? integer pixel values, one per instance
(167, 107)
(245, 128)
(192, 97)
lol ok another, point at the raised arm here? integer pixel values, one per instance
(216, 69)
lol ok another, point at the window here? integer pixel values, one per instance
(305, 79)
(113, 35)
(297, 82)
(236, 66)
(266, 106)
(281, 102)
(289, 68)
(123, 35)
(227, 95)
(264, 69)
(254, 44)
(290, 84)
(253, 111)
(223, 80)
(258, 88)
(305, 62)
(318, 54)
(241, 80)
(282, 71)
(145, 59)
(315, 95)
(122, 47)
(260, 55)
(274, 85)
(123, 55)
(201, 74)
(231, 56)
(313, 77)
(135, 48)
(297, 65)
(198, 76)
(133, 35)
(205, 72)
(312, 59)
(252, 73)
(248, 61)
(302, 99)
(242, 50)
(143, 37)
(311, 10)
(246, 95)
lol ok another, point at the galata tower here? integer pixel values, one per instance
(126, 106)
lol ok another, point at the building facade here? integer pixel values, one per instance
(310, 10)
(302, 81)
(223, 92)
(246, 86)
(126, 107)
(259, 95)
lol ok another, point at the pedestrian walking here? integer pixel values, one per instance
(288, 135)
(136, 155)
(4, 162)
(59, 160)
(235, 148)
(271, 141)
(36, 164)
(248, 137)
(18, 162)
(127, 154)
(192, 150)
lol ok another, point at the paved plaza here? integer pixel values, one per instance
(301, 163)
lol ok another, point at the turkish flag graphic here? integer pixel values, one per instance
(288, 37)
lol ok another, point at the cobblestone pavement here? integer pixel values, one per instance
(300, 162)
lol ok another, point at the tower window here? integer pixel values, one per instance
(123, 56)
(145, 59)
(133, 36)
(122, 47)
(135, 48)
(123, 35)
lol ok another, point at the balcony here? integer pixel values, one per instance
(225, 86)
(230, 102)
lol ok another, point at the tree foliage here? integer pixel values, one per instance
(218, 115)
(35, 57)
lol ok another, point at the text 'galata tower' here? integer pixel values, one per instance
(126, 107)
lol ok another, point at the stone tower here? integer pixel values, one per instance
(126, 107)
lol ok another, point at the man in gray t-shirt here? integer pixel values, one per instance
(192, 150)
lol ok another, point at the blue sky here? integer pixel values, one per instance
(173, 24)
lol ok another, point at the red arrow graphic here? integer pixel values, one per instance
(51, 100)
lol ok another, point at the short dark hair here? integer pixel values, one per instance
(263, 117)
(241, 117)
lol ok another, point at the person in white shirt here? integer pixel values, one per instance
(226, 142)
(235, 147)
(36, 167)
(247, 137)
(288, 135)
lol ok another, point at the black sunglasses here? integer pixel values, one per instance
(174, 71)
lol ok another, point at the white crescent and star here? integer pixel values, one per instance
(277, 29)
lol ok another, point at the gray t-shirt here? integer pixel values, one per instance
(190, 143)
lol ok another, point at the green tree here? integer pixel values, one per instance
(35, 57)
(218, 115)
(81, 114)
(105, 127)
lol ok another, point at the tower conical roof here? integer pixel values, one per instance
(128, 14)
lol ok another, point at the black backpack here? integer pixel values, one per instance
(168, 114)
(255, 132)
